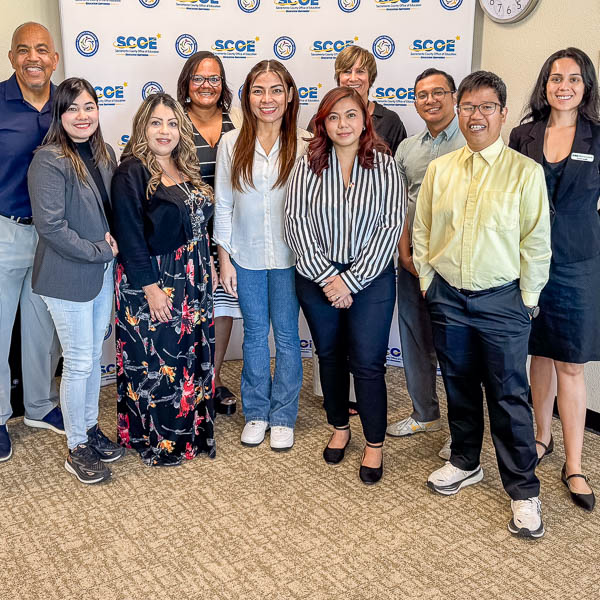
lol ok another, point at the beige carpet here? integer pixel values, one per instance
(255, 524)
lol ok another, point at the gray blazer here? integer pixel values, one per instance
(69, 217)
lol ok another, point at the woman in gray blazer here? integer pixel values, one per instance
(69, 184)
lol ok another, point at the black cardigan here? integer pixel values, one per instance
(146, 228)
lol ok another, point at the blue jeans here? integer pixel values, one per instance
(81, 327)
(269, 297)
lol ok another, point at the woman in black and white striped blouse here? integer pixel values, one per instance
(344, 213)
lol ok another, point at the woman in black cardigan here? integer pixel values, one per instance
(562, 132)
(164, 307)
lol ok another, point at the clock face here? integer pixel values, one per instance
(507, 11)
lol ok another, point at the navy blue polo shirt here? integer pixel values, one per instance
(22, 129)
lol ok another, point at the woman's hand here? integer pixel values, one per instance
(228, 274)
(214, 275)
(337, 292)
(110, 240)
(159, 303)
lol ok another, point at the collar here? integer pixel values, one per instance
(377, 110)
(489, 154)
(448, 133)
(13, 91)
(258, 148)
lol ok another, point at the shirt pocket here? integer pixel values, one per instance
(500, 211)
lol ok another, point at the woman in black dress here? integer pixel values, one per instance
(203, 92)
(562, 132)
(164, 310)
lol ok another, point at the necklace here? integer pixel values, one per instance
(184, 188)
(195, 210)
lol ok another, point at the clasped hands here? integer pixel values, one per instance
(337, 292)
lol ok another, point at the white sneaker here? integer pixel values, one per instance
(409, 426)
(527, 518)
(449, 480)
(282, 438)
(254, 433)
(446, 452)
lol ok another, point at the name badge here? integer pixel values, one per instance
(583, 157)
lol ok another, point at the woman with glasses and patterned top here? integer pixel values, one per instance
(203, 92)
(345, 209)
(561, 131)
(69, 185)
(164, 312)
(253, 167)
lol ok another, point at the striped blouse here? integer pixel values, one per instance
(359, 225)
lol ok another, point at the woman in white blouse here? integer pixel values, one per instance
(344, 213)
(257, 267)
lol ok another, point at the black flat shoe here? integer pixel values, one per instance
(585, 501)
(371, 475)
(225, 401)
(549, 449)
(334, 456)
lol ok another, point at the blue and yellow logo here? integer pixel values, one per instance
(348, 6)
(186, 45)
(284, 47)
(398, 4)
(110, 95)
(451, 4)
(149, 3)
(394, 95)
(151, 87)
(248, 6)
(329, 49)
(309, 94)
(87, 43)
(136, 45)
(297, 6)
(430, 48)
(198, 4)
(383, 47)
(235, 48)
(123, 141)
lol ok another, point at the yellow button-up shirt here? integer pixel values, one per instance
(482, 220)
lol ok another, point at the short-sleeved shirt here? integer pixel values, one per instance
(22, 129)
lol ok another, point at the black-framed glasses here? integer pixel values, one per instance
(486, 108)
(213, 80)
(437, 94)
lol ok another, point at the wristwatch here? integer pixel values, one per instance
(533, 311)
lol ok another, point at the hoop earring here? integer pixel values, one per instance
(188, 100)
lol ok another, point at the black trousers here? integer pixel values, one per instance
(482, 339)
(352, 340)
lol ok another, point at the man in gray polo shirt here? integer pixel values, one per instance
(435, 99)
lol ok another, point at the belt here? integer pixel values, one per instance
(21, 220)
(482, 292)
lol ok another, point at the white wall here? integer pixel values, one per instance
(515, 52)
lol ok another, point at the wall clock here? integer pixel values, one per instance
(507, 11)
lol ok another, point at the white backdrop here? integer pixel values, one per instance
(128, 49)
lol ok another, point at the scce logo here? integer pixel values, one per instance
(309, 94)
(348, 6)
(108, 369)
(394, 96)
(186, 45)
(133, 45)
(198, 4)
(107, 332)
(398, 4)
(110, 95)
(329, 49)
(451, 4)
(123, 141)
(429, 48)
(248, 6)
(87, 43)
(284, 47)
(149, 3)
(297, 6)
(383, 47)
(151, 88)
(235, 48)
(394, 355)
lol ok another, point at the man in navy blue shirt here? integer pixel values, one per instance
(25, 115)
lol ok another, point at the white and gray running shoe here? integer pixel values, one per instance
(527, 518)
(449, 480)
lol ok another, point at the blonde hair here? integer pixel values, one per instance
(184, 154)
(349, 55)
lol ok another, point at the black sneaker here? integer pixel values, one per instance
(106, 450)
(85, 464)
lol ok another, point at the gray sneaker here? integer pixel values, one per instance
(86, 465)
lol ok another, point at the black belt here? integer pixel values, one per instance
(482, 292)
(21, 220)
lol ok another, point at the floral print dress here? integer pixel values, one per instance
(165, 370)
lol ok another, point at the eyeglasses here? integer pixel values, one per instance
(487, 108)
(213, 80)
(437, 94)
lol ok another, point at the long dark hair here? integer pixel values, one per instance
(189, 70)
(538, 108)
(320, 145)
(66, 93)
(243, 151)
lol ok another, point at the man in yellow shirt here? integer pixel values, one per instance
(481, 242)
